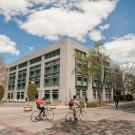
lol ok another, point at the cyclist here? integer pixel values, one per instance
(73, 104)
(40, 105)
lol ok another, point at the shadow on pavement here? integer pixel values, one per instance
(103, 127)
(8, 131)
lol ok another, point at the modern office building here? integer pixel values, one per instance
(51, 69)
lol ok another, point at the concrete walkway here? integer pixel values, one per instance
(101, 121)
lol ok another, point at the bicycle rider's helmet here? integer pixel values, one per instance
(74, 96)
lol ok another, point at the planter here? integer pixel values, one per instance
(53, 106)
(28, 108)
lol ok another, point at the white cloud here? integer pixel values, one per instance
(60, 20)
(31, 48)
(72, 18)
(96, 35)
(13, 7)
(104, 27)
(8, 46)
(122, 49)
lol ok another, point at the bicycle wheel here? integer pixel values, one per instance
(83, 115)
(49, 115)
(35, 116)
(69, 116)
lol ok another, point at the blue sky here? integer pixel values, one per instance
(28, 25)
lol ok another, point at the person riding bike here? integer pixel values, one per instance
(73, 104)
(40, 105)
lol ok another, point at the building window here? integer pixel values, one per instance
(94, 94)
(36, 96)
(55, 94)
(84, 81)
(48, 70)
(79, 80)
(11, 84)
(106, 94)
(22, 65)
(84, 93)
(56, 68)
(56, 81)
(21, 83)
(22, 95)
(48, 82)
(78, 94)
(35, 73)
(47, 94)
(35, 60)
(52, 54)
(12, 68)
(18, 95)
(8, 96)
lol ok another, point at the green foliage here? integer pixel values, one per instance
(132, 86)
(1, 92)
(31, 91)
(92, 65)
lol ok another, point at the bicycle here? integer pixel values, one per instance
(46, 114)
(80, 115)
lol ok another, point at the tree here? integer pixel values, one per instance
(3, 73)
(31, 91)
(1, 92)
(93, 66)
(127, 71)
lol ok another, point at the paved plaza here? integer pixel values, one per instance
(101, 121)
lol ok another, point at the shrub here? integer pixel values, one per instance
(48, 102)
(90, 105)
(82, 104)
(31, 91)
(127, 97)
(1, 92)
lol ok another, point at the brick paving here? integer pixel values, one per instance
(103, 127)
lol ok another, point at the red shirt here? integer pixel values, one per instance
(40, 102)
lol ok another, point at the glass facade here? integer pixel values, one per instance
(22, 65)
(34, 75)
(21, 83)
(52, 54)
(35, 60)
(11, 84)
(51, 94)
(10, 95)
(81, 80)
(52, 71)
(81, 93)
(12, 68)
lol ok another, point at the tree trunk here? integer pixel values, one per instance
(100, 97)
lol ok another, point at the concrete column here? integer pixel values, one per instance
(6, 89)
(41, 90)
(16, 79)
(104, 95)
(63, 90)
(27, 80)
(90, 91)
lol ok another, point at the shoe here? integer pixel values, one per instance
(76, 119)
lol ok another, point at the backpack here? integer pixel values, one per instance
(71, 102)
